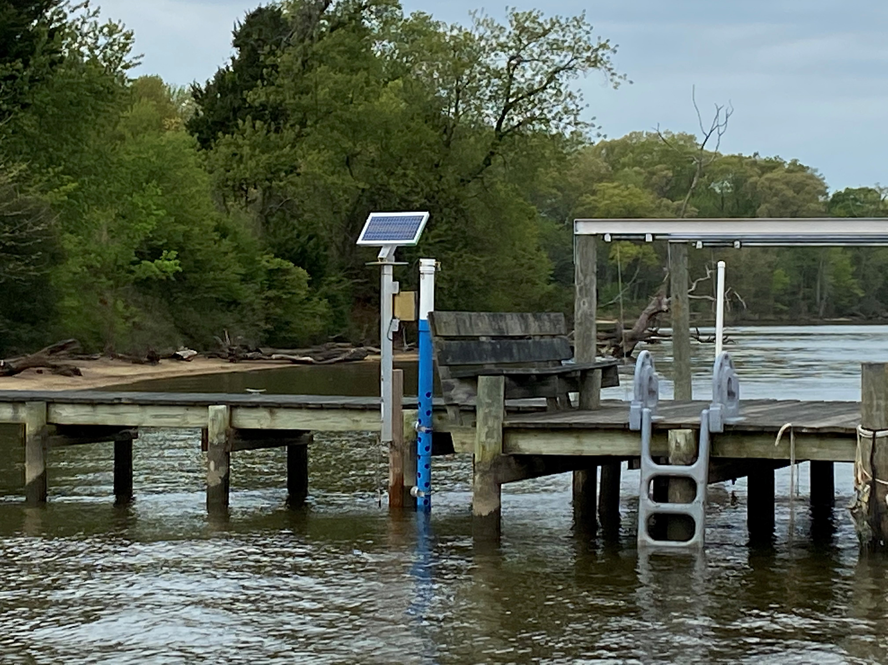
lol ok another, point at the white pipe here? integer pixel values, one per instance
(427, 269)
(720, 309)
(387, 292)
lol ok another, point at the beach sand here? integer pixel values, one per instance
(106, 372)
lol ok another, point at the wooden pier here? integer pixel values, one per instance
(522, 441)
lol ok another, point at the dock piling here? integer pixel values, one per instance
(871, 472)
(585, 313)
(218, 457)
(679, 306)
(297, 471)
(609, 499)
(402, 464)
(683, 447)
(760, 503)
(823, 484)
(486, 490)
(585, 497)
(35, 453)
(123, 470)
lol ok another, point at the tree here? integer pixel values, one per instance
(380, 111)
(28, 50)
(225, 101)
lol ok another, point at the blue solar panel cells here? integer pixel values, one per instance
(392, 229)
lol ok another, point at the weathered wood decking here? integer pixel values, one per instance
(823, 430)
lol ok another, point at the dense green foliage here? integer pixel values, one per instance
(135, 214)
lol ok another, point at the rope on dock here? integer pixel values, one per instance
(861, 475)
(864, 483)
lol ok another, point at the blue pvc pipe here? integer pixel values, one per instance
(424, 434)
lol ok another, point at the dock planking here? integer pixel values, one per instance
(823, 430)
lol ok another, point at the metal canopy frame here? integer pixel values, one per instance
(740, 232)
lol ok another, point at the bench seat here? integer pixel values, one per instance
(530, 350)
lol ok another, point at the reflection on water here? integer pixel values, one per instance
(342, 582)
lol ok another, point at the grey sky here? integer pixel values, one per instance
(808, 79)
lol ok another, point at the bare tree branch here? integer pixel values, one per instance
(701, 157)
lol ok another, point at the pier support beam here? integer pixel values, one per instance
(402, 452)
(486, 490)
(35, 453)
(871, 472)
(609, 499)
(679, 306)
(585, 498)
(760, 503)
(823, 485)
(218, 457)
(683, 446)
(585, 312)
(297, 471)
(123, 471)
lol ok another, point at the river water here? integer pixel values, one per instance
(342, 582)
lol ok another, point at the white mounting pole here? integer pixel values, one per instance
(387, 327)
(720, 309)
(426, 288)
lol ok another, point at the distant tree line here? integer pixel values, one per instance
(133, 213)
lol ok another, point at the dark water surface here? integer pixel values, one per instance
(342, 582)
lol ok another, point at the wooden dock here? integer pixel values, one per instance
(523, 441)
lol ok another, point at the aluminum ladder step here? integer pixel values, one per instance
(697, 472)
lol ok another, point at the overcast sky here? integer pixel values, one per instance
(808, 79)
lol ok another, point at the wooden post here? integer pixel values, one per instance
(400, 482)
(874, 458)
(823, 484)
(585, 497)
(760, 503)
(585, 312)
(35, 453)
(679, 306)
(123, 471)
(486, 491)
(683, 446)
(218, 457)
(609, 499)
(297, 471)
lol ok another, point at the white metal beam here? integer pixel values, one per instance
(740, 231)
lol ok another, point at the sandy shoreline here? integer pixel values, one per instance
(106, 372)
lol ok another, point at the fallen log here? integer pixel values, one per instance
(44, 358)
(350, 356)
(621, 343)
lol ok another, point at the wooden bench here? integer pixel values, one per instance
(528, 349)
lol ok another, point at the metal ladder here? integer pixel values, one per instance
(724, 408)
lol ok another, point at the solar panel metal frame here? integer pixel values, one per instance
(401, 241)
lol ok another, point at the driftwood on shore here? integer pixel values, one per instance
(235, 350)
(46, 358)
(59, 358)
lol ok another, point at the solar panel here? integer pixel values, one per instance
(393, 228)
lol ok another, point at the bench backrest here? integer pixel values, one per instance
(466, 342)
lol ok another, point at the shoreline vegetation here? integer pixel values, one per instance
(137, 215)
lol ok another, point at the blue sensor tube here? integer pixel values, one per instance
(426, 378)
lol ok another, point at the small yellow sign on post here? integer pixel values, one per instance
(405, 306)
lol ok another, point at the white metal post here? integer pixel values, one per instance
(720, 309)
(386, 330)
(426, 288)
